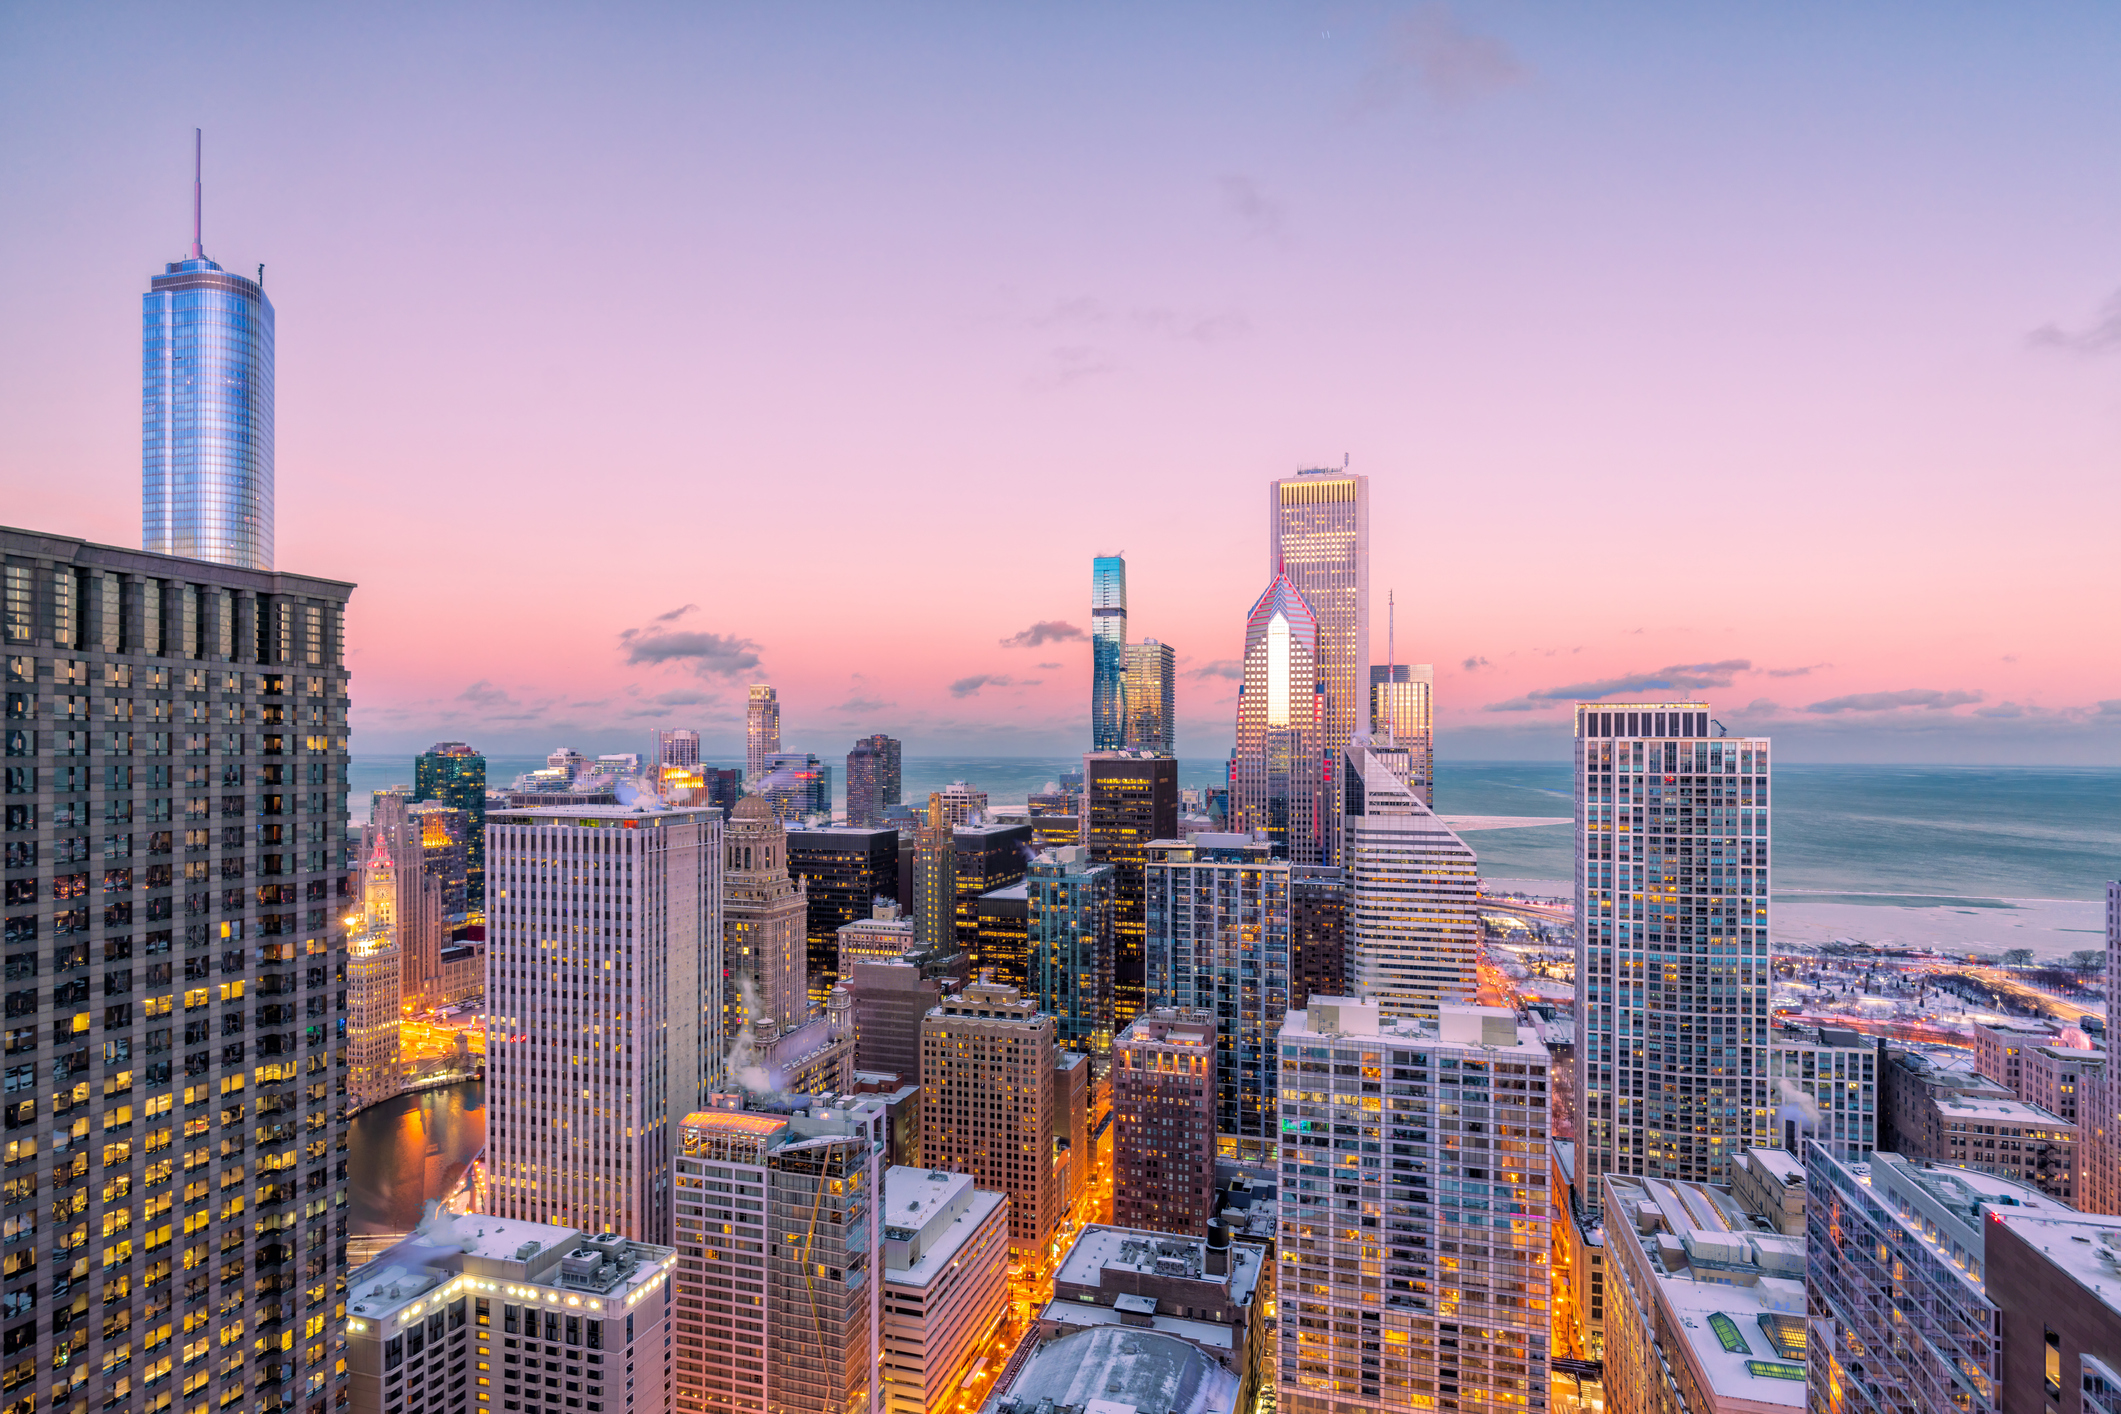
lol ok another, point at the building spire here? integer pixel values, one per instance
(198, 154)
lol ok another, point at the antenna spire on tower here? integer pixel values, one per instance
(198, 153)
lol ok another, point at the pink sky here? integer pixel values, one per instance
(1667, 341)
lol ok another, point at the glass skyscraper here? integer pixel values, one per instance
(1277, 772)
(1108, 653)
(454, 774)
(206, 413)
(1319, 538)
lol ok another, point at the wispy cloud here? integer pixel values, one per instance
(1796, 672)
(678, 613)
(708, 654)
(1428, 51)
(1680, 677)
(858, 705)
(1043, 632)
(1229, 668)
(1474, 664)
(1049, 665)
(2101, 335)
(968, 687)
(484, 693)
(1929, 698)
(1072, 363)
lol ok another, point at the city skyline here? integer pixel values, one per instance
(1108, 354)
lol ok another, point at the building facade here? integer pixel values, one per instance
(604, 1016)
(1824, 1083)
(873, 779)
(1413, 1250)
(1218, 915)
(945, 1262)
(890, 1001)
(1068, 910)
(1152, 698)
(762, 731)
(206, 414)
(175, 853)
(1672, 888)
(454, 774)
(1318, 936)
(677, 746)
(988, 1106)
(935, 880)
(1128, 800)
(845, 871)
(1319, 540)
(1163, 1122)
(1278, 767)
(1108, 653)
(372, 984)
(1001, 936)
(765, 920)
(798, 785)
(1413, 894)
(1403, 714)
(504, 1296)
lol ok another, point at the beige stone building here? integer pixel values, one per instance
(988, 1104)
(765, 916)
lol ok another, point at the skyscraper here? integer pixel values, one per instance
(988, 1105)
(1108, 653)
(766, 919)
(125, 871)
(762, 730)
(1219, 939)
(1421, 1267)
(1672, 888)
(1413, 894)
(1068, 932)
(602, 963)
(1278, 775)
(206, 411)
(872, 779)
(1152, 697)
(1403, 713)
(372, 984)
(1128, 800)
(1319, 538)
(797, 785)
(454, 774)
(677, 746)
(1163, 1113)
(935, 880)
(844, 872)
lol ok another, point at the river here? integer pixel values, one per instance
(406, 1151)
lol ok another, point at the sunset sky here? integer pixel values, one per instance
(628, 354)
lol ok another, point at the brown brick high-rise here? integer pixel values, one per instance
(1163, 1107)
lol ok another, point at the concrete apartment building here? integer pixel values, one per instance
(2062, 1079)
(2000, 1047)
(988, 1105)
(1163, 1104)
(551, 1318)
(945, 1271)
(1824, 1082)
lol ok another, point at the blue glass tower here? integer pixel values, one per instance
(206, 412)
(1108, 653)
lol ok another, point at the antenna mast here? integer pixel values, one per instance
(198, 152)
(1391, 669)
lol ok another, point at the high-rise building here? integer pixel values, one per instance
(1001, 936)
(175, 742)
(845, 871)
(1218, 942)
(1672, 888)
(206, 412)
(984, 857)
(1318, 939)
(2100, 1159)
(765, 919)
(945, 1271)
(2063, 1080)
(442, 834)
(962, 803)
(372, 984)
(1319, 540)
(1278, 769)
(935, 880)
(780, 1312)
(1422, 1266)
(1068, 907)
(987, 1104)
(1163, 1122)
(602, 967)
(677, 746)
(1152, 698)
(1823, 1081)
(798, 785)
(1128, 800)
(1403, 714)
(496, 1294)
(1108, 653)
(1413, 894)
(891, 1001)
(762, 731)
(422, 918)
(454, 774)
(1707, 1307)
(873, 779)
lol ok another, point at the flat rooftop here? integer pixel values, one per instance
(1099, 1248)
(912, 1199)
(1998, 1111)
(2087, 1246)
(1081, 1315)
(450, 1251)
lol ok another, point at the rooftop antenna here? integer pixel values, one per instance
(198, 153)
(1391, 667)
(1343, 461)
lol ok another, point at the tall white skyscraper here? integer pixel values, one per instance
(762, 730)
(1318, 535)
(1413, 892)
(1672, 888)
(677, 746)
(603, 988)
(1278, 772)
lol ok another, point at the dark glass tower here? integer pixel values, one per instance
(454, 774)
(206, 412)
(1108, 653)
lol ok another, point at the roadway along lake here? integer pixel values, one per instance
(406, 1151)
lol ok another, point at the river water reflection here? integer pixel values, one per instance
(405, 1151)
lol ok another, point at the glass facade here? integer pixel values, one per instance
(1068, 932)
(1128, 801)
(1108, 653)
(206, 416)
(1403, 713)
(1277, 774)
(454, 774)
(1319, 539)
(1152, 698)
